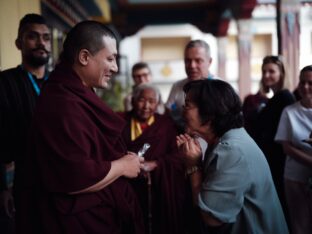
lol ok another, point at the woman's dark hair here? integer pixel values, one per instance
(84, 35)
(305, 69)
(139, 66)
(217, 102)
(297, 91)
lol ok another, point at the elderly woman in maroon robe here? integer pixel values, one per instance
(161, 185)
(80, 164)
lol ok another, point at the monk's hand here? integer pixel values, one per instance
(190, 148)
(132, 164)
(149, 166)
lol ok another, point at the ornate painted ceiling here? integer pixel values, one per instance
(211, 16)
(128, 16)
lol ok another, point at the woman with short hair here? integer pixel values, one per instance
(233, 186)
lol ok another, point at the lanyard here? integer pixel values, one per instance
(34, 83)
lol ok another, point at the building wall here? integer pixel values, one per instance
(11, 11)
(264, 43)
(162, 47)
(305, 36)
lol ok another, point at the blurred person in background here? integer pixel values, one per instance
(161, 185)
(294, 133)
(252, 105)
(19, 91)
(197, 61)
(268, 112)
(141, 74)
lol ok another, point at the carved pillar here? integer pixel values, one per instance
(222, 40)
(222, 44)
(288, 22)
(244, 37)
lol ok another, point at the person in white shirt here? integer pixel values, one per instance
(197, 61)
(294, 130)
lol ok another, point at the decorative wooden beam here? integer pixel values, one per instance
(105, 8)
(288, 26)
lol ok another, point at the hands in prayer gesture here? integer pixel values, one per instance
(190, 148)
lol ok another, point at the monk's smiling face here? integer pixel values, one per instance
(101, 66)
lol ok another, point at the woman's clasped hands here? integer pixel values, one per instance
(190, 148)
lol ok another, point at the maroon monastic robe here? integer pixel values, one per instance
(75, 136)
(168, 179)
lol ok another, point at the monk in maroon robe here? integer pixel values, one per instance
(80, 161)
(163, 202)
